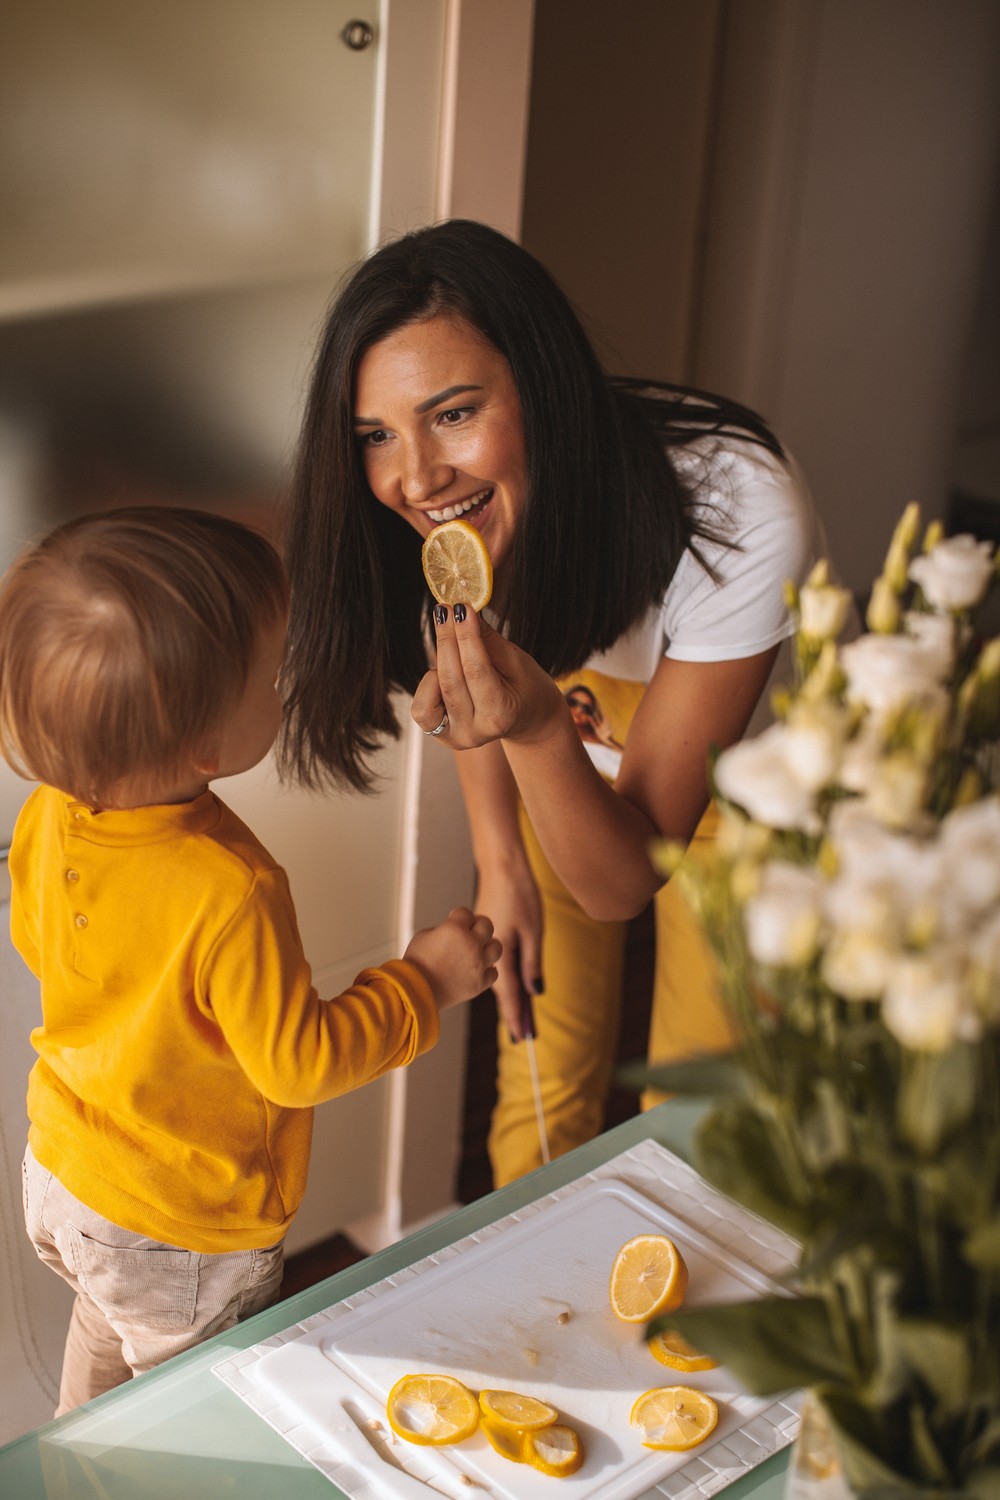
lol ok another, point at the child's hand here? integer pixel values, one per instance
(459, 956)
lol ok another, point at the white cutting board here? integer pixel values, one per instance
(490, 1315)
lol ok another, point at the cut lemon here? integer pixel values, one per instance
(432, 1409)
(505, 1440)
(677, 1354)
(512, 1412)
(648, 1278)
(457, 565)
(556, 1450)
(674, 1417)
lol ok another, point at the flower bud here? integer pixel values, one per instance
(933, 536)
(884, 613)
(897, 557)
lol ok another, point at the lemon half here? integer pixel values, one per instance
(649, 1277)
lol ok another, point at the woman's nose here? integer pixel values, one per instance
(423, 473)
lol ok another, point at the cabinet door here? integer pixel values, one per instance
(155, 148)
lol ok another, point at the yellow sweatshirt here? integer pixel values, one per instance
(182, 1043)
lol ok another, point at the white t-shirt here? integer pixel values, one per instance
(762, 507)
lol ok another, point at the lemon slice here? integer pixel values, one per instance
(506, 1441)
(677, 1354)
(512, 1412)
(555, 1450)
(649, 1278)
(432, 1409)
(457, 565)
(674, 1417)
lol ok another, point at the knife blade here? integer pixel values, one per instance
(528, 1034)
(362, 1439)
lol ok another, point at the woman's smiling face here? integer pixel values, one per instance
(438, 420)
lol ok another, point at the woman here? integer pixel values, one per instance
(640, 537)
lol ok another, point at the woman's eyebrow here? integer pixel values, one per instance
(423, 406)
(453, 390)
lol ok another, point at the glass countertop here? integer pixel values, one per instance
(178, 1433)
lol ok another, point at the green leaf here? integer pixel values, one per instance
(873, 1443)
(983, 1484)
(925, 1448)
(735, 1151)
(982, 1247)
(937, 1095)
(770, 1344)
(707, 1077)
(940, 1356)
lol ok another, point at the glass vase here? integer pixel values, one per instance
(814, 1468)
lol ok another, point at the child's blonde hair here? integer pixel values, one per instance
(125, 639)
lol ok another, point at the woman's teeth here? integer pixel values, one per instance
(462, 508)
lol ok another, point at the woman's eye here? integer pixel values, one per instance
(454, 415)
(373, 439)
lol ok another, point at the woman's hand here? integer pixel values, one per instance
(489, 688)
(510, 898)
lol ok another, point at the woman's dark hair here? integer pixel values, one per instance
(602, 495)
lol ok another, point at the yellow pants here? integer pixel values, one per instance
(577, 1019)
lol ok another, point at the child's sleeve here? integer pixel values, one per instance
(296, 1048)
(24, 878)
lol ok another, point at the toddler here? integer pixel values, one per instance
(182, 1044)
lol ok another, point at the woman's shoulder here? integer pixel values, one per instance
(744, 495)
(761, 531)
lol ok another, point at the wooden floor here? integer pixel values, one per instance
(318, 1262)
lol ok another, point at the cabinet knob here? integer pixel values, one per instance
(357, 35)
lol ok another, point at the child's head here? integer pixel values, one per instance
(126, 642)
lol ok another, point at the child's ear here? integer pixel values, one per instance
(206, 761)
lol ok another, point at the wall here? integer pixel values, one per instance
(807, 236)
(844, 309)
(619, 138)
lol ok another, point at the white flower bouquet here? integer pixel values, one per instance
(853, 902)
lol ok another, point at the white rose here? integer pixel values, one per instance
(899, 785)
(857, 964)
(936, 635)
(954, 574)
(782, 918)
(886, 672)
(823, 609)
(814, 742)
(924, 1004)
(883, 879)
(859, 762)
(984, 965)
(969, 842)
(756, 775)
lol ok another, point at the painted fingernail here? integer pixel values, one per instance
(538, 985)
(527, 1017)
(459, 613)
(440, 613)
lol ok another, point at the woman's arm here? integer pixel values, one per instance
(507, 893)
(596, 836)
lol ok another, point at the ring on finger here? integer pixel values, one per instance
(441, 727)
